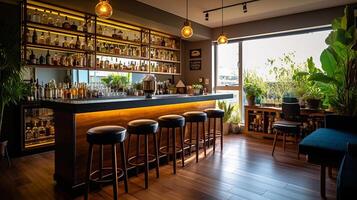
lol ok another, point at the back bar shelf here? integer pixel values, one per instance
(62, 38)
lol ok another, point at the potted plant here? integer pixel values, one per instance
(228, 110)
(197, 88)
(313, 97)
(337, 79)
(254, 87)
(235, 121)
(138, 89)
(12, 87)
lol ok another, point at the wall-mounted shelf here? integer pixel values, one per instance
(156, 48)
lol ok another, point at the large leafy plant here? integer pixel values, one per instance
(227, 108)
(337, 79)
(116, 82)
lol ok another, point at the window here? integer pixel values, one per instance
(236, 58)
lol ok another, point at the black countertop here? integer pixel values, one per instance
(102, 104)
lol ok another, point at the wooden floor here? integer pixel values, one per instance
(245, 170)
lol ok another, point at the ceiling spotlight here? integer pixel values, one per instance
(245, 9)
(206, 16)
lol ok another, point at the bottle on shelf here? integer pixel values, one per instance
(44, 17)
(36, 17)
(41, 40)
(78, 43)
(56, 41)
(48, 39)
(66, 24)
(100, 30)
(74, 27)
(65, 42)
(32, 58)
(42, 60)
(34, 37)
(50, 19)
(48, 58)
(58, 21)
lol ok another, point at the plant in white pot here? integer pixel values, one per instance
(197, 88)
(228, 110)
(12, 88)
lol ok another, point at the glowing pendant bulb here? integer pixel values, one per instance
(103, 9)
(186, 30)
(222, 39)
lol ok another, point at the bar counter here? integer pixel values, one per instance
(74, 117)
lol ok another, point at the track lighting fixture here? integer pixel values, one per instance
(245, 9)
(206, 16)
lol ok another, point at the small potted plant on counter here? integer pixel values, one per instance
(254, 87)
(138, 89)
(197, 89)
(228, 111)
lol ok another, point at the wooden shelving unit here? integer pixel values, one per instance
(126, 36)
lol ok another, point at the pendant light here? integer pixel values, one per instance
(103, 9)
(186, 30)
(222, 38)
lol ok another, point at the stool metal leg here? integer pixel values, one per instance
(214, 134)
(160, 136)
(146, 164)
(89, 168)
(204, 138)
(137, 151)
(191, 130)
(174, 148)
(114, 168)
(222, 134)
(101, 162)
(156, 149)
(168, 144)
(197, 142)
(128, 148)
(125, 171)
(209, 132)
(182, 147)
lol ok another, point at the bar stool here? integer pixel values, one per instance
(144, 127)
(171, 122)
(198, 118)
(107, 135)
(214, 114)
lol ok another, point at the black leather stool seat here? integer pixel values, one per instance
(142, 126)
(171, 121)
(106, 135)
(195, 116)
(214, 113)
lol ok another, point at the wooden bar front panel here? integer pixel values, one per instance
(85, 121)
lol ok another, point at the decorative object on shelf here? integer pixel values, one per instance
(186, 30)
(149, 85)
(197, 89)
(195, 64)
(195, 53)
(254, 87)
(103, 9)
(222, 38)
(180, 87)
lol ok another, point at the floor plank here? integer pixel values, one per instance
(244, 170)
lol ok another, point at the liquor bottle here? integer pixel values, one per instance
(28, 38)
(120, 34)
(34, 37)
(32, 58)
(163, 43)
(84, 45)
(42, 60)
(41, 40)
(48, 58)
(37, 17)
(41, 90)
(66, 24)
(55, 59)
(41, 129)
(50, 19)
(34, 91)
(72, 44)
(28, 133)
(44, 17)
(100, 30)
(78, 43)
(65, 42)
(56, 41)
(74, 27)
(114, 35)
(58, 21)
(48, 38)
(85, 27)
(90, 45)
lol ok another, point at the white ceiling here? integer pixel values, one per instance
(257, 10)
